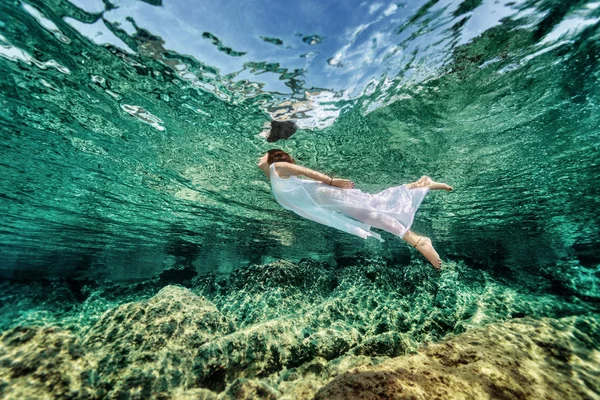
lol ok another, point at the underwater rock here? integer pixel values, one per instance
(244, 389)
(285, 330)
(38, 362)
(195, 394)
(391, 344)
(257, 351)
(517, 359)
(265, 349)
(261, 293)
(303, 382)
(306, 275)
(148, 347)
(78, 287)
(178, 275)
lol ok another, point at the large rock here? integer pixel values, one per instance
(518, 359)
(147, 348)
(265, 349)
(44, 363)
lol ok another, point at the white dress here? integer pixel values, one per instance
(349, 210)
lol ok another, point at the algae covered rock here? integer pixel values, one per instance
(148, 347)
(256, 351)
(195, 394)
(306, 275)
(518, 359)
(38, 362)
(265, 349)
(178, 274)
(391, 344)
(244, 389)
(290, 331)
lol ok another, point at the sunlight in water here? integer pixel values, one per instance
(131, 131)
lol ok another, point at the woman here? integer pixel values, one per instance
(334, 202)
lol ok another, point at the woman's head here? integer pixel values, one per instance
(275, 155)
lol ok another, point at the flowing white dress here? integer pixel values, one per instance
(349, 210)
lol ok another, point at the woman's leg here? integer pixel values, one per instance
(423, 246)
(426, 182)
(391, 225)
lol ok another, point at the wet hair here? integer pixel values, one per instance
(278, 155)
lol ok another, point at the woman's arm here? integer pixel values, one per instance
(284, 168)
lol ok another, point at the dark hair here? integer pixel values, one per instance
(281, 130)
(277, 155)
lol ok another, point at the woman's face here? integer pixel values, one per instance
(263, 160)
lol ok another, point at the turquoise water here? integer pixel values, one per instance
(130, 136)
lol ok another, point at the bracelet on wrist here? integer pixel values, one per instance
(330, 181)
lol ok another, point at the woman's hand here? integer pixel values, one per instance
(342, 183)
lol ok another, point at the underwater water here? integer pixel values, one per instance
(142, 254)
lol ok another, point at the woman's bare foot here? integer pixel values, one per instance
(439, 186)
(425, 247)
(426, 181)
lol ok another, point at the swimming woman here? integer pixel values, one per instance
(335, 202)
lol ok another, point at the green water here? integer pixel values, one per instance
(508, 119)
(130, 133)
